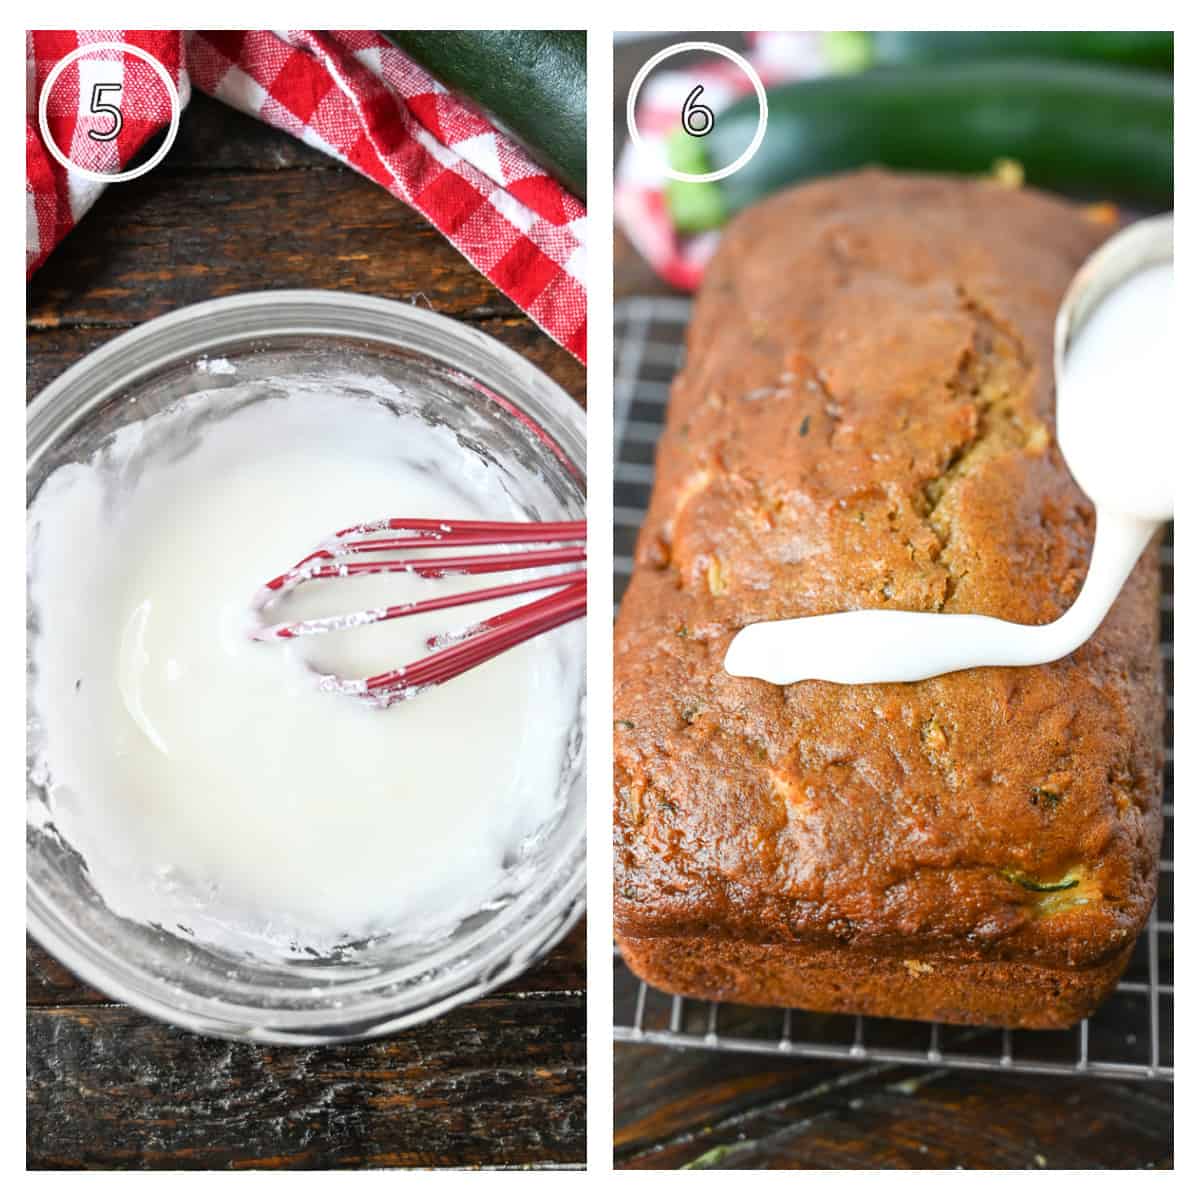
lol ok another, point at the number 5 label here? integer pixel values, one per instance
(105, 101)
(99, 106)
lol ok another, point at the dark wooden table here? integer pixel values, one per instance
(709, 1109)
(235, 207)
(688, 1108)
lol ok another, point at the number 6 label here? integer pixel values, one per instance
(697, 117)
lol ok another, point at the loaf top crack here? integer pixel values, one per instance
(866, 420)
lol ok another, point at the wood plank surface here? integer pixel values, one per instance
(698, 1110)
(500, 1082)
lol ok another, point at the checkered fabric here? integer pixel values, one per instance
(55, 198)
(351, 95)
(639, 202)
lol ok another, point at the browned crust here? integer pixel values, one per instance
(1011, 995)
(866, 420)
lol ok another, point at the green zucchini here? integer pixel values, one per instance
(1131, 48)
(530, 83)
(1036, 885)
(1099, 132)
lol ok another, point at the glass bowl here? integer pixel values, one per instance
(509, 411)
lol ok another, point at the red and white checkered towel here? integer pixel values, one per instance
(350, 94)
(639, 203)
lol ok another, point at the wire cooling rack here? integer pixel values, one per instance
(1131, 1036)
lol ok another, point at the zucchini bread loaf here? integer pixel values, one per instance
(866, 420)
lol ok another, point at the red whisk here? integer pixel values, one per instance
(557, 543)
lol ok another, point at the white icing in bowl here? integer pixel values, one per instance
(316, 914)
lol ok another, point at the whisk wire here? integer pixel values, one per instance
(487, 640)
(453, 653)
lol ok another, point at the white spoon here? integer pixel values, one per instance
(1116, 389)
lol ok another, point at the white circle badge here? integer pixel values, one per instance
(712, 48)
(103, 176)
